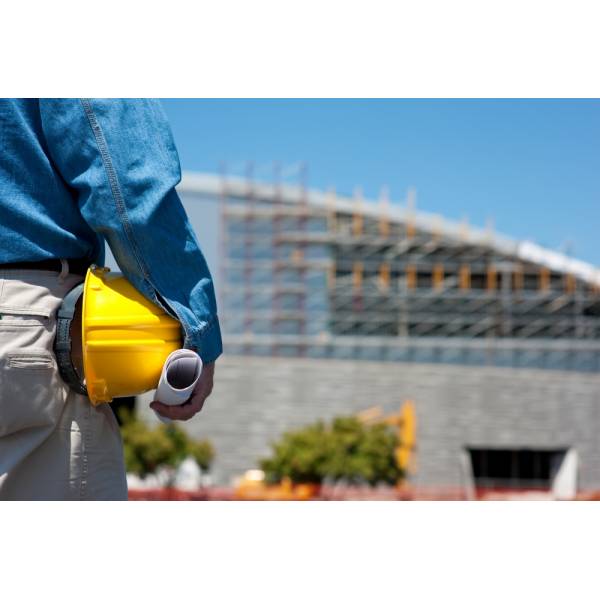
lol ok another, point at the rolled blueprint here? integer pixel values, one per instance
(179, 377)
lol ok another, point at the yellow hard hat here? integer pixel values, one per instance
(125, 337)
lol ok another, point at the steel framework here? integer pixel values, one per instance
(309, 273)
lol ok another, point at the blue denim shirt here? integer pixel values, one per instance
(76, 172)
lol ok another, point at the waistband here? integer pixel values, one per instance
(77, 266)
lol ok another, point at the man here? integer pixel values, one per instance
(74, 173)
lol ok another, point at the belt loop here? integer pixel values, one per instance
(64, 269)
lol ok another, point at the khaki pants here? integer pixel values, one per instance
(54, 445)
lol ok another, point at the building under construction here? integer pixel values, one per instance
(331, 305)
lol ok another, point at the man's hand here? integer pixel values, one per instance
(201, 392)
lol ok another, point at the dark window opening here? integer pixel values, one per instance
(515, 468)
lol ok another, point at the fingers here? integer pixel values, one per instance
(182, 412)
(186, 411)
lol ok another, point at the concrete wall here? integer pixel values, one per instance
(256, 399)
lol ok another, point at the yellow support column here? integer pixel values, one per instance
(357, 224)
(570, 283)
(384, 220)
(384, 226)
(297, 256)
(357, 276)
(438, 277)
(464, 278)
(384, 276)
(411, 277)
(544, 279)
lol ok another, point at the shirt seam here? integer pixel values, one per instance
(114, 184)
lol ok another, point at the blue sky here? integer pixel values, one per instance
(531, 165)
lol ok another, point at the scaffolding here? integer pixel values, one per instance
(308, 273)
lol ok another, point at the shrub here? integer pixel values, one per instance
(300, 455)
(362, 452)
(147, 448)
(347, 450)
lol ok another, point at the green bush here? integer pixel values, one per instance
(347, 450)
(147, 448)
(362, 452)
(300, 455)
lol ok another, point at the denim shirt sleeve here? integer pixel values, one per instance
(120, 159)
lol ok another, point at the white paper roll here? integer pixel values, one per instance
(178, 379)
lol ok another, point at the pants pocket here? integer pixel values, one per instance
(31, 394)
(30, 360)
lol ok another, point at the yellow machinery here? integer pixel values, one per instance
(405, 422)
(252, 486)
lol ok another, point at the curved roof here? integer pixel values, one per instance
(212, 184)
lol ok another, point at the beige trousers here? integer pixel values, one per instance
(54, 445)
